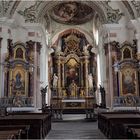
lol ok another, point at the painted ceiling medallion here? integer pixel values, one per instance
(72, 13)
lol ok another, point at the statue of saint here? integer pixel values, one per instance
(18, 82)
(55, 80)
(103, 100)
(90, 81)
(85, 49)
(73, 89)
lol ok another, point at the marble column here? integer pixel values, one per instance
(86, 73)
(35, 76)
(110, 76)
(82, 74)
(38, 48)
(59, 75)
(0, 67)
(63, 75)
(138, 57)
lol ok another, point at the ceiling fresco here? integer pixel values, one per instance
(68, 12)
(72, 13)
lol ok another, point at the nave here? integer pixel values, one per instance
(75, 127)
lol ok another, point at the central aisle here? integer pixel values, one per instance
(74, 128)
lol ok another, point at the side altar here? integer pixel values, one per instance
(73, 72)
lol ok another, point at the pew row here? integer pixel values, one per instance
(37, 124)
(112, 123)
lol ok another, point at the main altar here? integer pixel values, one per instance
(73, 72)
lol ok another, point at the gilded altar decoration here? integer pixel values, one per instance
(18, 74)
(19, 53)
(127, 69)
(73, 71)
(72, 43)
(125, 74)
(73, 89)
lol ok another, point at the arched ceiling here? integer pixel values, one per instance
(38, 11)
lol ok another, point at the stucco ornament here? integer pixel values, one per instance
(30, 14)
(113, 15)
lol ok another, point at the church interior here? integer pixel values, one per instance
(63, 58)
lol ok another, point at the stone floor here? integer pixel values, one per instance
(75, 127)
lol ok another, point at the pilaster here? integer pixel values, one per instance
(110, 36)
(0, 69)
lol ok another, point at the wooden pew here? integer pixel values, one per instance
(10, 134)
(132, 131)
(24, 129)
(135, 133)
(110, 123)
(40, 123)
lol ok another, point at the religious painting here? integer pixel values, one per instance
(128, 77)
(72, 13)
(19, 53)
(73, 89)
(18, 81)
(126, 53)
(72, 71)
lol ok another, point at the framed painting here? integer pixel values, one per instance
(128, 81)
(19, 82)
